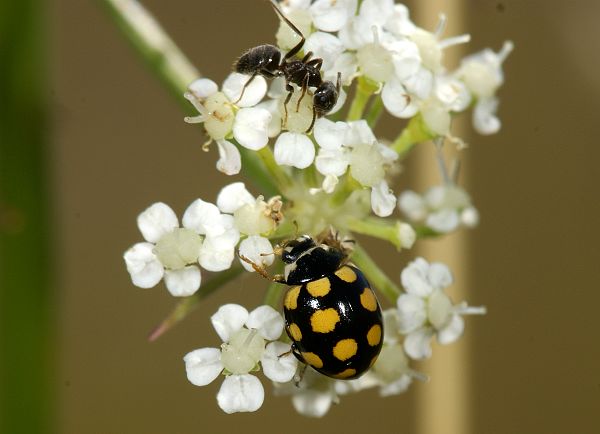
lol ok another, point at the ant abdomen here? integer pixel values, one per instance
(259, 59)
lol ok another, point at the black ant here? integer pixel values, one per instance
(266, 60)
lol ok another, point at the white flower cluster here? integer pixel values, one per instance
(443, 208)
(248, 339)
(208, 238)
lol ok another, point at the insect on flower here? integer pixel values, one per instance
(266, 60)
(332, 315)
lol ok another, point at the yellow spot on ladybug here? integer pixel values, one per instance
(345, 349)
(324, 321)
(374, 335)
(346, 274)
(291, 298)
(319, 288)
(346, 373)
(295, 332)
(313, 360)
(368, 300)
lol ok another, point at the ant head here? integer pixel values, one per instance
(326, 96)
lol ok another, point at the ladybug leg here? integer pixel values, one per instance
(278, 278)
(300, 375)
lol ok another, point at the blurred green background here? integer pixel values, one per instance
(89, 138)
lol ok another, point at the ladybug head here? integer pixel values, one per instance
(294, 248)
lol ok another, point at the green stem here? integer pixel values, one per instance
(375, 111)
(28, 303)
(273, 295)
(414, 133)
(344, 189)
(281, 178)
(188, 304)
(173, 68)
(374, 274)
(364, 90)
(379, 228)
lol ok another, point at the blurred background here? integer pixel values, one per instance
(89, 138)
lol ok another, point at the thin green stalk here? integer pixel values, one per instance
(378, 228)
(279, 175)
(344, 189)
(415, 132)
(375, 111)
(173, 68)
(364, 90)
(27, 303)
(188, 304)
(273, 295)
(374, 274)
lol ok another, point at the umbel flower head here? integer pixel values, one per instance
(320, 167)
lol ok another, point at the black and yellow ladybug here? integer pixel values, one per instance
(331, 312)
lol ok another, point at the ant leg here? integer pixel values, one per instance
(245, 86)
(317, 63)
(290, 90)
(338, 84)
(304, 87)
(300, 44)
(306, 57)
(312, 123)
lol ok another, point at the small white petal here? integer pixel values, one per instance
(420, 84)
(330, 135)
(255, 91)
(312, 403)
(330, 15)
(444, 221)
(203, 365)
(405, 57)
(240, 393)
(376, 12)
(412, 205)
(347, 65)
(203, 88)
(203, 218)
(143, 266)
(418, 343)
(332, 161)
(156, 220)
(359, 133)
(439, 275)
(229, 319)
(412, 313)
(469, 217)
(324, 46)
(396, 99)
(436, 117)
(234, 196)
(329, 183)
(485, 120)
(391, 326)
(383, 200)
(278, 367)
(183, 282)
(230, 160)
(258, 249)
(452, 331)
(294, 149)
(217, 254)
(414, 278)
(267, 321)
(250, 127)
(396, 387)
(406, 235)
(274, 127)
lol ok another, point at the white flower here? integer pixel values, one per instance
(245, 336)
(442, 208)
(426, 311)
(332, 15)
(216, 111)
(169, 251)
(312, 396)
(482, 74)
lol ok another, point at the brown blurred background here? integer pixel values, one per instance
(119, 143)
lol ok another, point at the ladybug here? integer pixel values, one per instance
(332, 315)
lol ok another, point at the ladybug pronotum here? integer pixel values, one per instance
(331, 313)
